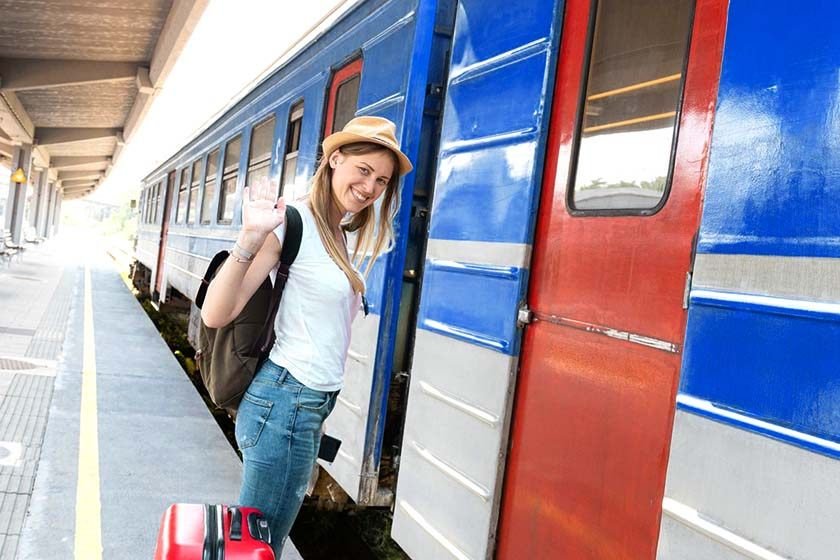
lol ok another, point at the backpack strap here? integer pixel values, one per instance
(291, 247)
(214, 265)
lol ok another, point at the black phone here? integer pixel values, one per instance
(329, 448)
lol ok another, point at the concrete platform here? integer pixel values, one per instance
(154, 442)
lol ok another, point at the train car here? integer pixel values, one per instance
(610, 327)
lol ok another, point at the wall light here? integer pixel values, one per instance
(19, 176)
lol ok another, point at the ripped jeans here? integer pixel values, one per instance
(278, 430)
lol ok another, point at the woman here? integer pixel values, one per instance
(279, 419)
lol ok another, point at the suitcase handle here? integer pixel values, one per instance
(214, 534)
(235, 523)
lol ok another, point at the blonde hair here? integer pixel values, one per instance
(372, 238)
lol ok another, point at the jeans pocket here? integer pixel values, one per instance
(251, 419)
(317, 401)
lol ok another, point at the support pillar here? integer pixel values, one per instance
(59, 196)
(16, 203)
(41, 202)
(49, 209)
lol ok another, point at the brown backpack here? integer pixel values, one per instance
(228, 357)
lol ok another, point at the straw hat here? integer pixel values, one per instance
(368, 129)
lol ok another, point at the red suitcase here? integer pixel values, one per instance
(213, 532)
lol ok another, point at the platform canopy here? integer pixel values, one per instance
(78, 76)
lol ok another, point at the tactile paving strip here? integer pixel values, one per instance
(23, 421)
(10, 364)
(49, 335)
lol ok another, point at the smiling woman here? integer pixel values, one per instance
(278, 425)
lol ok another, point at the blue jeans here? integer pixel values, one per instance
(278, 430)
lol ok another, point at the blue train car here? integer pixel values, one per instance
(756, 437)
(383, 58)
(563, 361)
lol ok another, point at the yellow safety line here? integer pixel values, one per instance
(88, 507)
(634, 87)
(628, 122)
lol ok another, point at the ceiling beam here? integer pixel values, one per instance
(52, 136)
(179, 25)
(7, 149)
(21, 74)
(80, 188)
(145, 92)
(75, 175)
(73, 195)
(70, 162)
(77, 182)
(182, 19)
(14, 120)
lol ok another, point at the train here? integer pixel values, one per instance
(609, 327)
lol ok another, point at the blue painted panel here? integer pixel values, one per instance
(769, 363)
(775, 159)
(488, 28)
(487, 195)
(474, 304)
(494, 130)
(496, 99)
(384, 57)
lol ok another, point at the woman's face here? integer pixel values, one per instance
(358, 180)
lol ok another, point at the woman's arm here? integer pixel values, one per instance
(236, 282)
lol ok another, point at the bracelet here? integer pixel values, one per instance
(240, 255)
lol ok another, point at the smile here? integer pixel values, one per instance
(359, 196)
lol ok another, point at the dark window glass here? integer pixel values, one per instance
(346, 101)
(292, 145)
(158, 195)
(230, 172)
(152, 201)
(183, 199)
(194, 184)
(209, 186)
(262, 143)
(632, 96)
(144, 206)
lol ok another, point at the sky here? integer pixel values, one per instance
(233, 45)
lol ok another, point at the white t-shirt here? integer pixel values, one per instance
(315, 314)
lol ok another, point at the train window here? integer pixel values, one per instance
(344, 96)
(195, 182)
(161, 188)
(230, 172)
(151, 202)
(262, 139)
(630, 106)
(346, 100)
(183, 199)
(209, 185)
(292, 145)
(144, 206)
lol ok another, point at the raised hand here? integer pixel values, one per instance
(261, 211)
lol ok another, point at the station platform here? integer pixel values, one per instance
(100, 428)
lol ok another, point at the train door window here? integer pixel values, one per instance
(183, 198)
(631, 103)
(209, 185)
(161, 188)
(195, 182)
(153, 203)
(292, 145)
(144, 206)
(230, 173)
(344, 96)
(262, 140)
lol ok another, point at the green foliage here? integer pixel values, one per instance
(657, 185)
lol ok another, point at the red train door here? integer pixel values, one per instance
(164, 230)
(628, 146)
